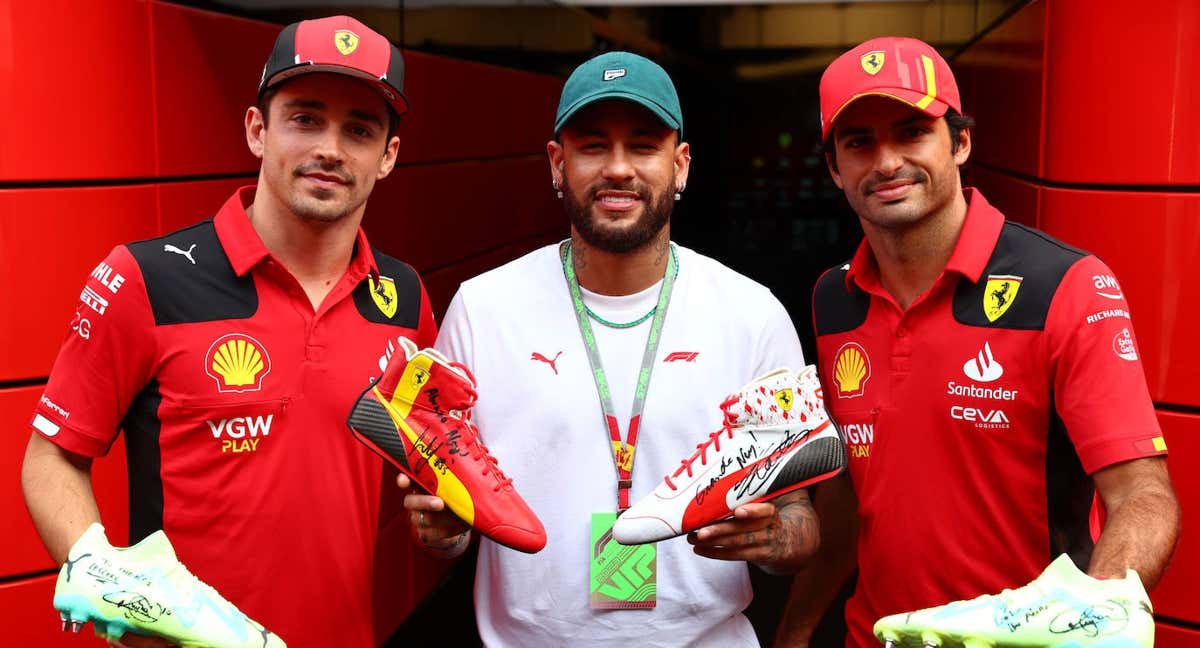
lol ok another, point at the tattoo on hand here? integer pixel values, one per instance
(794, 529)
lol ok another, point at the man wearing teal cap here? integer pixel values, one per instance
(563, 343)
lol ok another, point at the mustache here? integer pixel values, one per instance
(905, 173)
(327, 169)
(642, 190)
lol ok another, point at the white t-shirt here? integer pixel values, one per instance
(544, 424)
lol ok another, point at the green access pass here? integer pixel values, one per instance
(622, 577)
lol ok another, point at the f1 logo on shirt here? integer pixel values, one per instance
(238, 363)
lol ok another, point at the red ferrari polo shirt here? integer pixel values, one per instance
(233, 395)
(974, 418)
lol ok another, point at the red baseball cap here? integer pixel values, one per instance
(904, 69)
(342, 45)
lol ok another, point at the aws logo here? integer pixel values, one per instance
(238, 363)
(242, 433)
(851, 370)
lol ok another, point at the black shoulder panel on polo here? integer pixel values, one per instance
(1040, 261)
(189, 278)
(836, 308)
(408, 294)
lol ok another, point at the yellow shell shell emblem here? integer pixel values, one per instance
(851, 370)
(785, 398)
(237, 362)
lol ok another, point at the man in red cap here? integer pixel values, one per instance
(229, 353)
(985, 376)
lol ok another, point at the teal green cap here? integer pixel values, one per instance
(620, 75)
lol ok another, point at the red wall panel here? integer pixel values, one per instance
(1124, 106)
(206, 72)
(181, 204)
(443, 283)
(471, 110)
(1168, 636)
(33, 621)
(1149, 240)
(1001, 82)
(1175, 595)
(76, 97)
(24, 553)
(50, 239)
(1020, 201)
(433, 215)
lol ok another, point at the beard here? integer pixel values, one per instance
(656, 213)
(321, 205)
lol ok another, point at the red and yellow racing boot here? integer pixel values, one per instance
(417, 415)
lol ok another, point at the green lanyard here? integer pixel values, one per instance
(622, 451)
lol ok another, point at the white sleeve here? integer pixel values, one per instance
(778, 344)
(454, 337)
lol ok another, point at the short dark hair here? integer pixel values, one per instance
(956, 122)
(264, 107)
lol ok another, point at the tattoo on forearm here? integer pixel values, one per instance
(797, 532)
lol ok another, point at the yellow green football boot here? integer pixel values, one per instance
(1061, 608)
(145, 590)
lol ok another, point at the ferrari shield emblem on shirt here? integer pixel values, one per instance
(346, 41)
(384, 295)
(872, 62)
(999, 295)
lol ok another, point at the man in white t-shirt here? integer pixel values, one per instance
(606, 311)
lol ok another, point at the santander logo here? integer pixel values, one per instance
(983, 367)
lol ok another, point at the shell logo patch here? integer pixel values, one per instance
(785, 398)
(384, 295)
(851, 370)
(238, 363)
(346, 41)
(872, 62)
(999, 295)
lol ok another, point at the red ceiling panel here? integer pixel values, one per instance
(24, 552)
(76, 98)
(1000, 78)
(207, 68)
(1123, 105)
(434, 215)
(1176, 594)
(50, 239)
(1150, 240)
(463, 110)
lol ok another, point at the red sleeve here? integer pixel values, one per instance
(105, 360)
(426, 326)
(1099, 385)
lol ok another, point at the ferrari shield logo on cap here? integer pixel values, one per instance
(384, 295)
(999, 295)
(872, 62)
(346, 41)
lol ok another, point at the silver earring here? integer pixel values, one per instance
(557, 187)
(679, 191)
(560, 194)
